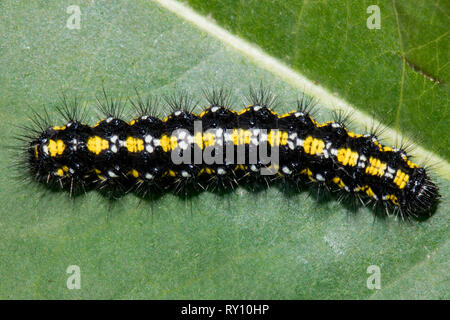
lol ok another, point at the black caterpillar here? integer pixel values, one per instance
(144, 154)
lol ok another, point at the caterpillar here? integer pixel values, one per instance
(222, 147)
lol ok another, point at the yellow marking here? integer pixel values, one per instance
(378, 145)
(393, 199)
(339, 182)
(168, 143)
(36, 152)
(287, 114)
(204, 140)
(376, 167)
(306, 171)
(240, 167)
(97, 144)
(313, 146)
(368, 190)
(243, 111)
(134, 173)
(172, 173)
(324, 124)
(59, 128)
(99, 175)
(98, 122)
(61, 171)
(276, 138)
(387, 149)
(134, 144)
(56, 147)
(347, 157)
(314, 121)
(401, 179)
(208, 139)
(202, 114)
(240, 136)
(353, 135)
(209, 171)
(412, 164)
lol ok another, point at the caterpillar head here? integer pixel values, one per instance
(422, 194)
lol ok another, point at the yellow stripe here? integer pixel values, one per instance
(401, 179)
(376, 167)
(134, 144)
(56, 147)
(313, 146)
(97, 144)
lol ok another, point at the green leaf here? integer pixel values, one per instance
(331, 44)
(272, 244)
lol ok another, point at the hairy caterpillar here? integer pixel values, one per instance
(150, 154)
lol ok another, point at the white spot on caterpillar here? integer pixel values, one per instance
(334, 151)
(156, 142)
(45, 149)
(149, 176)
(335, 125)
(362, 157)
(214, 109)
(299, 114)
(149, 148)
(148, 138)
(114, 148)
(177, 113)
(257, 108)
(286, 170)
(300, 142)
(183, 145)
(320, 177)
(221, 171)
(263, 137)
(291, 145)
(185, 174)
(109, 119)
(113, 139)
(112, 174)
(253, 168)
